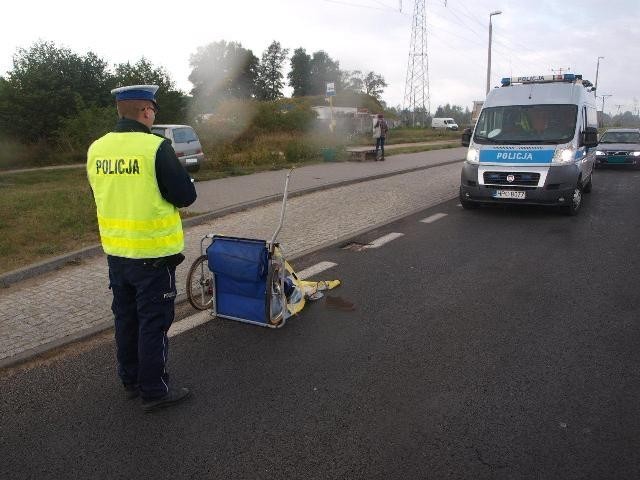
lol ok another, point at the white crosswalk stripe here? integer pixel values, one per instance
(315, 269)
(384, 240)
(190, 322)
(433, 218)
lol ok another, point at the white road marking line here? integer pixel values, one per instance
(190, 322)
(382, 240)
(433, 218)
(315, 269)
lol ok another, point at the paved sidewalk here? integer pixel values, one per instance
(339, 201)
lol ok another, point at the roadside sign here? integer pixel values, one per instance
(331, 89)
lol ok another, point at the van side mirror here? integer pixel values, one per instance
(466, 137)
(589, 137)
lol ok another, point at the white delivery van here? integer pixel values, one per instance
(447, 123)
(533, 144)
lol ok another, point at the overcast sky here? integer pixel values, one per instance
(529, 38)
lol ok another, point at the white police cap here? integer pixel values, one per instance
(136, 92)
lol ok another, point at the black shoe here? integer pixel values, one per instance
(174, 396)
(131, 391)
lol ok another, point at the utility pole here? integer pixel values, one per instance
(604, 96)
(619, 107)
(416, 90)
(595, 87)
(497, 12)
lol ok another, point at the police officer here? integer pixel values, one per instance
(138, 185)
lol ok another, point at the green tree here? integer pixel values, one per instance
(220, 71)
(173, 103)
(46, 85)
(300, 74)
(270, 77)
(374, 84)
(323, 70)
(626, 119)
(5, 112)
(77, 132)
(352, 80)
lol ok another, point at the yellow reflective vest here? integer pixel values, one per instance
(135, 221)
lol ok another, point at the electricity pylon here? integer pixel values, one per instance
(416, 90)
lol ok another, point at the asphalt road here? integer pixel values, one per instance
(494, 343)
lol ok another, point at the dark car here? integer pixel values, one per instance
(619, 146)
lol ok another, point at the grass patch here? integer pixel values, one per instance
(413, 135)
(44, 213)
(423, 148)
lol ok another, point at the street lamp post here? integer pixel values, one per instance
(497, 12)
(595, 87)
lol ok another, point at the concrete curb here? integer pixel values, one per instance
(76, 256)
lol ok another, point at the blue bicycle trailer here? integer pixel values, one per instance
(248, 280)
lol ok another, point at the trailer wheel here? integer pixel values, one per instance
(200, 284)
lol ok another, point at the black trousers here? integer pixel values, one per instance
(380, 145)
(144, 293)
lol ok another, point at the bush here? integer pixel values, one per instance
(283, 117)
(78, 132)
(14, 154)
(300, 150)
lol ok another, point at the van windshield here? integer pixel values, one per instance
(526, 124)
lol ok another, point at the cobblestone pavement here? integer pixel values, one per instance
(57, 307)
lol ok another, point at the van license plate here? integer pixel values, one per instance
(191, 160)
(520, 195)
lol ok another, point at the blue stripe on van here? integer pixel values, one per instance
(516, 156)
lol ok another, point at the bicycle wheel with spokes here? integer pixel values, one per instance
(200, 284)
(274, 303)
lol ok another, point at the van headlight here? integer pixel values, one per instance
(564, 155)
(473, 155)
(600, 153)
(636, 154)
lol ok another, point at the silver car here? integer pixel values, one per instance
(185, 142)
(619, 146)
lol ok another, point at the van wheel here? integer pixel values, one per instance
(575, 202)
(587, 187)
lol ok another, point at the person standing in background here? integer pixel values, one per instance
(380, 129)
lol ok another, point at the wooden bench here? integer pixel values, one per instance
(362, 154)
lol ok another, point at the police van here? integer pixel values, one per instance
(533, 144)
